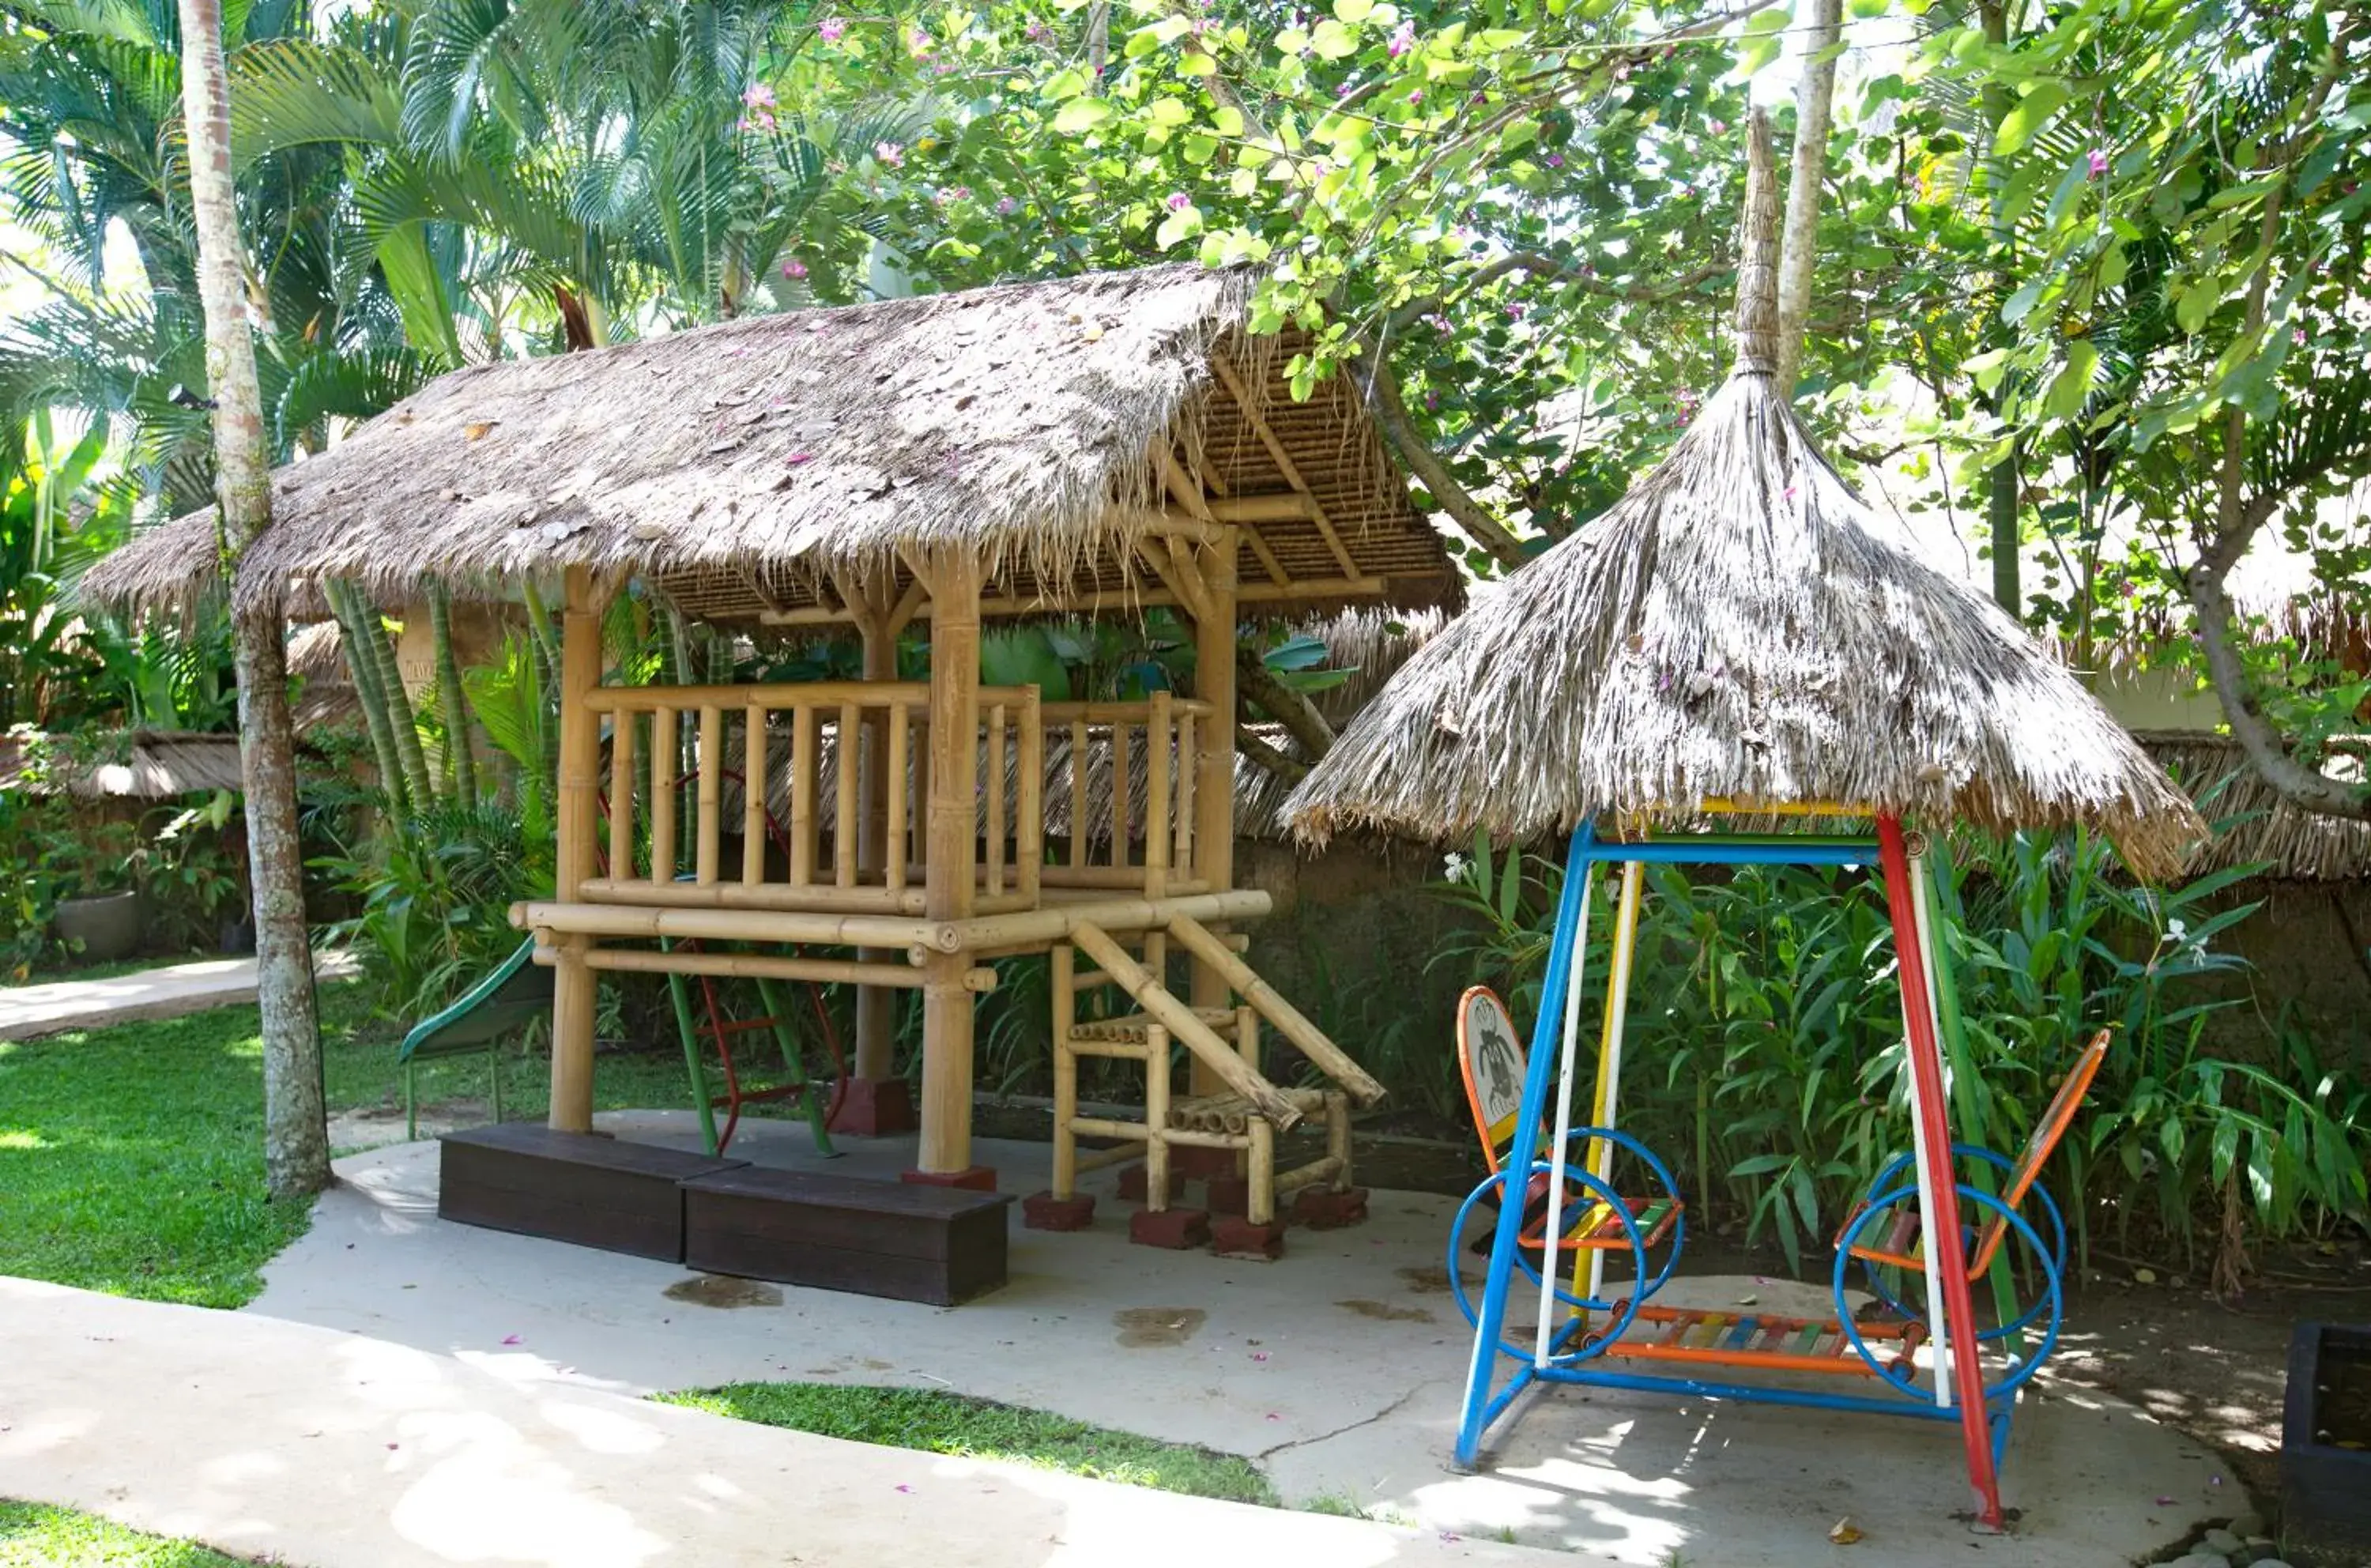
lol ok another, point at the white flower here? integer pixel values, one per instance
(1453, 868)
(2175, 931)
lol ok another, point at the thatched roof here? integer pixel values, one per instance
(134, 765)
(1742, 625)
(1045, 429)
(2253, 825)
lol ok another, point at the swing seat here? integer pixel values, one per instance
(1491, 1058)
(1903, 1243)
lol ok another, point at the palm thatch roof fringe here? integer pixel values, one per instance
(2254, 825)
(1742, 626)
(741, 468)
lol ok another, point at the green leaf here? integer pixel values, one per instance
(1081, 114)
(1353, 12)
(1169, 111)
(1180, 225)
(1333, 40)
(2194, 306)
(2030, 114)
(2020, 305)
(1870, 7)
(1754, 53)
(2073, 384)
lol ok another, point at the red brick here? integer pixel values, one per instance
(1132, 1185)
(1231, 1236)
(1044, 1211)
(873, 1107)
(1229, 1195)
(1321, 1209)
(1178, 1229)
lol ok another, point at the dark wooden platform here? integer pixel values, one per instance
(595, 1192)
(917, 1243)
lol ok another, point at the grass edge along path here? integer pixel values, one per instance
(35, 1535)
(961, 1426)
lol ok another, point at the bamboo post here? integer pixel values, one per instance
(1064, 966)
(1123, 788)
(884, 845)
(1180, 854)
(846, 831)
(574, 986)
(662, 794)
(1156, 1119)
(710, 840)
(993, 839)
(621, 795)
(806, 765)
(954, 818)
(1214, 784)
(753, 795)
(1077, 792)
(1157, 762)
(1029, 809)
(1182, 1022)
(1261, 1209)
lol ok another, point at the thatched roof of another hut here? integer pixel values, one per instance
(135, 765)
(749, 470)
(1740, 626)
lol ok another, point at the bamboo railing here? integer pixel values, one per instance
(673, 747)
(1116, 840)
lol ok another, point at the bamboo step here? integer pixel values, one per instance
(1233, 1112)
(1135, 1029)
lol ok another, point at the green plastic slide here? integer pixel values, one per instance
(513, 996)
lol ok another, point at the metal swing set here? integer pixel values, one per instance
(1565, 1200)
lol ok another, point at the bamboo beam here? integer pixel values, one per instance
(1189, 763)
(1112, 712)
(1283, 460)
(1328, 1057)
(1123, 790)
(1183, 485)
(1079, 834)
(884, 842)
(846, 830)
(898, 782)
(1174, 568)
(993, 838)
(1157, 763)
(574, 987)
(753, 796)
(784, 927)
(1297, 508)
(947, 1018)
(1065, 1071)
(766, 694)
(1284, 589)
(1190, 1030)
(765, 966)
(1029, 829)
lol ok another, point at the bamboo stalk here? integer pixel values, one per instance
(753, 796)
(899, 800)
(806, 764)
(1286, 1184)
(711, 792)
(1328, 1057)
(763, 694)
(1181, 1021)
(1029, 827)
(663, 795)
(1116, 712)
(1096, 1158)
(1337, 1136)
(1130, 878)
(621, 796)
(1261, 1209)
(1098, 1127)
(843, 822)
(994, 843)
(1188, 764)
(1028, 929)
(574, 995)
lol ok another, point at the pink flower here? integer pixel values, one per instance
(757, 95)
(831, 30)
(1417, 95)
(2297, 335)
(798, 457)
(2099, 163)
(1403, 38)
(1007, 207)
(794, 268)
(1719, 127)
(1344, 90)
(919, 42)
(1179, 201)
(1556, 160)
(888, 153)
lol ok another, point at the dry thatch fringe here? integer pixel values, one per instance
(131, 765)
(2254, 825)
(1012, 424)
(1740, 624)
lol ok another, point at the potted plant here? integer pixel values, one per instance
(94, 867)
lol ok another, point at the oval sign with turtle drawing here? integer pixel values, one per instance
(1491, 1055)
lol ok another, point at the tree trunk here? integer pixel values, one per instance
(1798, 251)
(451, 697)
(2001, 481)
(372, 702)
(296, 1126)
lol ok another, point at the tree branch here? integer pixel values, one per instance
(1381, 392)
(1250, 743)
(1291, 709)
(1798, 250)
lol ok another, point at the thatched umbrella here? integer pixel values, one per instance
(1740, 626)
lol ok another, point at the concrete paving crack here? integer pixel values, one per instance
(1384, 1414)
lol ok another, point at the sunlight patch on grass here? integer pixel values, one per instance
(963, 1427)
(34, 1536)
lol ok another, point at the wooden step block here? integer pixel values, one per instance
(942, 1245)
(596, 1191)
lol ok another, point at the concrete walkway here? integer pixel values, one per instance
(28, 1012)
(1338, 1368)
(299, 1444)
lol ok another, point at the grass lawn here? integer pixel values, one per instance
(937, 1422)
(132, 1157)
(33, 1535)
